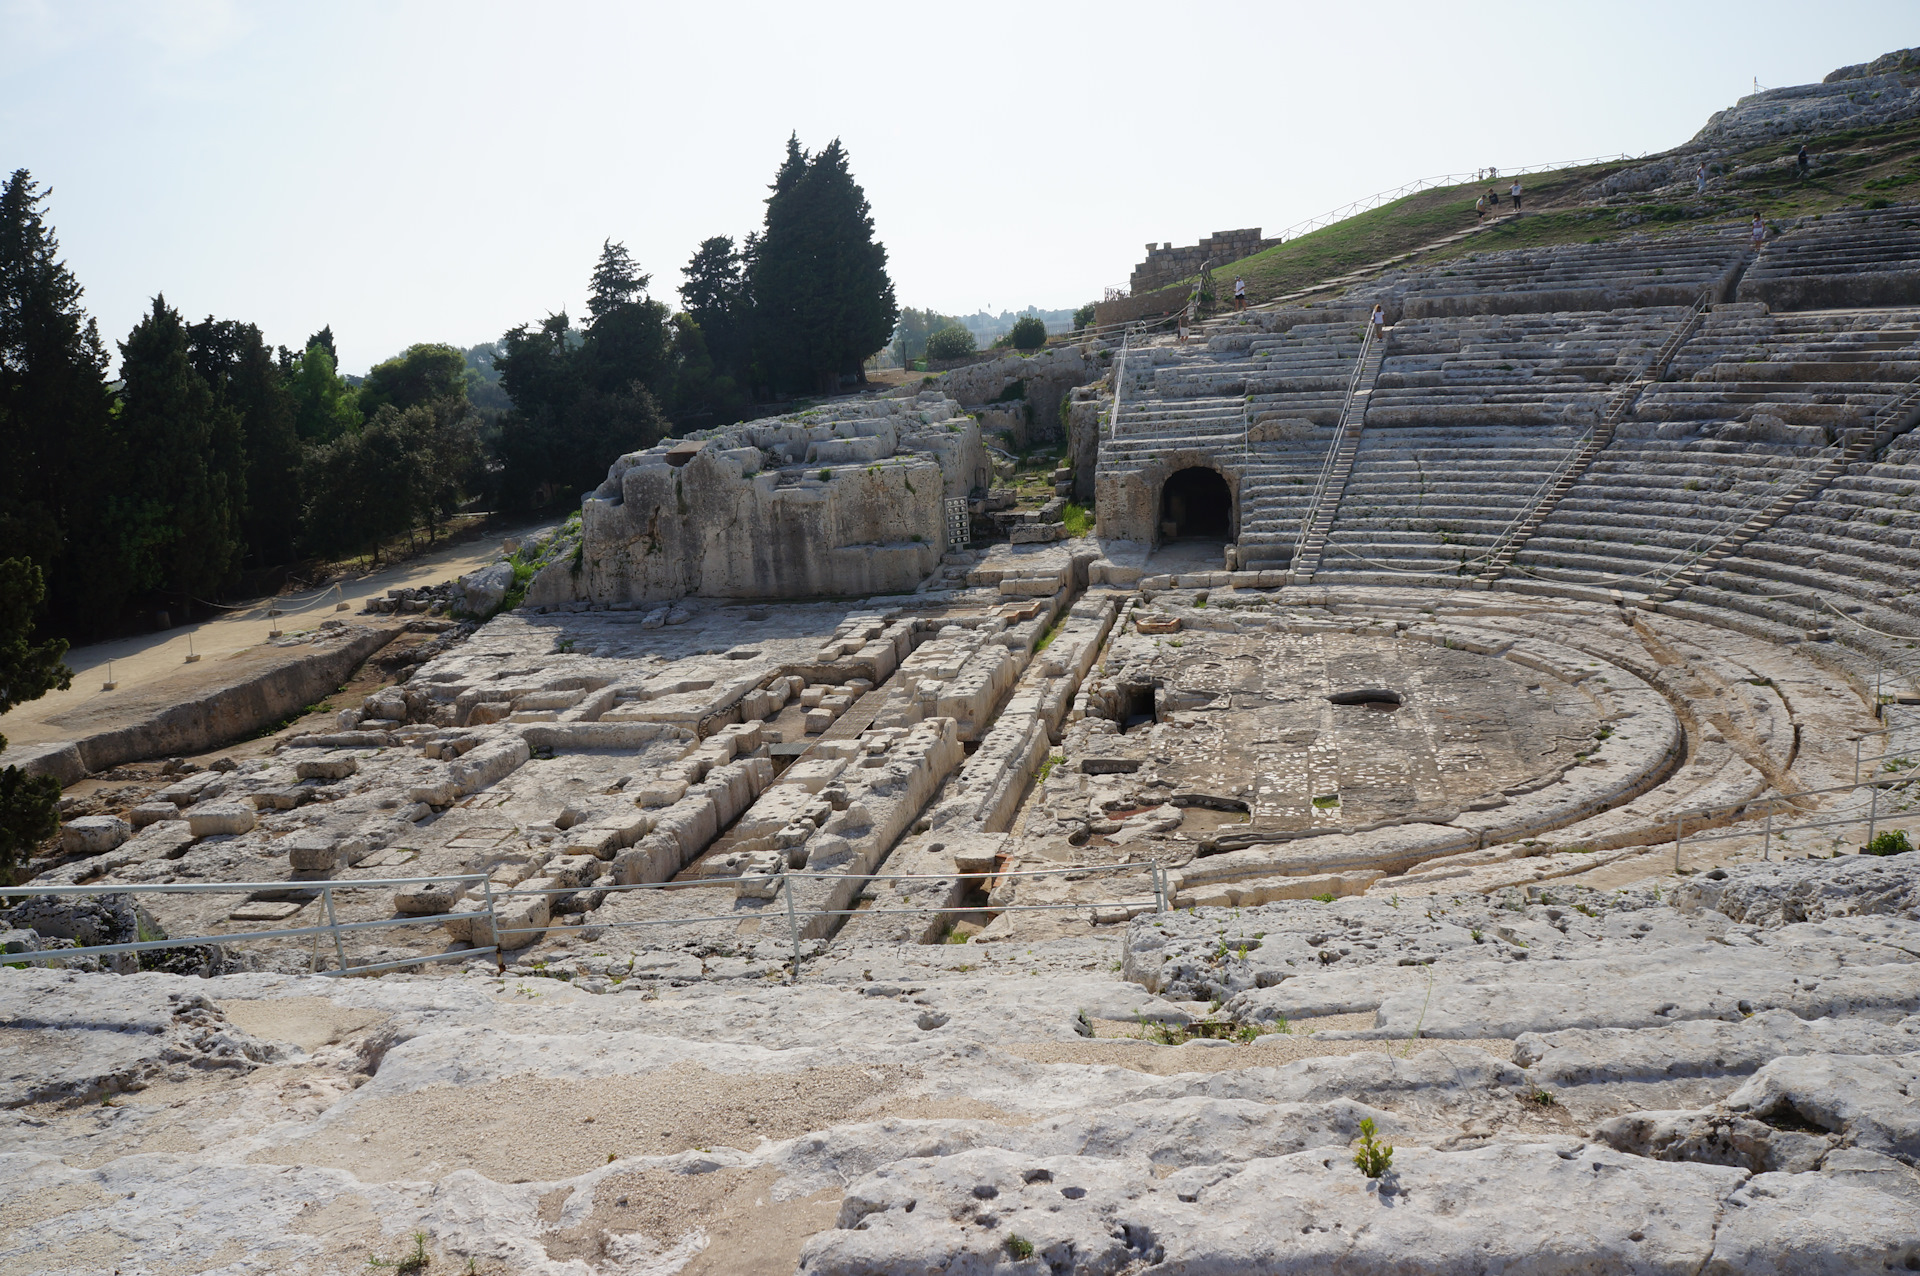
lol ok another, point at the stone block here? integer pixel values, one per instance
(1036, 533)
(573, 870)
(428, 899)
(93, 834)
(312, 852)
(1030, 586)
(326, 768)
(818, 720)
(212, 819)
(152, 813)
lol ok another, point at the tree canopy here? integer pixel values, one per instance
(822, 299)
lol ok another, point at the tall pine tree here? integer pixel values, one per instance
(823, 301)
(63, 465)
(193, 462)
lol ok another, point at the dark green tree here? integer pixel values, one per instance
(62, 483)
(193, 459)
(822, 300)
(324, 406)
(423, 374)
(627, 338)
(1029, 333)
(581, 400)
(714, 292)
(27, 672)
(950, 342)
(241, 372)
(911, 330)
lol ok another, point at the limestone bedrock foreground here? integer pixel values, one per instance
(1603, 1082)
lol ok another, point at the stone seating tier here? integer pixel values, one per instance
(1858, 257)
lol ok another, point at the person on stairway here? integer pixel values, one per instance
(1516, 194)
(1379, 322)
(1239, 294)
(1801, 159)
(1759, 232)
(1700, 179)
(1480, 208)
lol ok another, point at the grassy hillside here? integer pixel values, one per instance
(1867, 167)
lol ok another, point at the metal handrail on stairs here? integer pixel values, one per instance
(1342, 429)
(1754, 518)
(1514, 536)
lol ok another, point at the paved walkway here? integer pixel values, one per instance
(141, 660)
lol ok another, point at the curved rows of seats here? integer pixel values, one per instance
(1858, 257)
(1470, 419)
(1752, 404)
(1640, 270)
(1853, 550)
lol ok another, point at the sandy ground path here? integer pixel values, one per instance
(140, 660)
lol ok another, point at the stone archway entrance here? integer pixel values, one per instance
(1196, 503)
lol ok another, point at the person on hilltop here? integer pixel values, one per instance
(1515, 192)
(1480, 208)
(1239, 294)
(1493, 197)
(1700, 179)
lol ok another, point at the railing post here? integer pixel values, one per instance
(493, 920)
(1856, 758)
(1159, 887)
(1676, 843)
(1873, 810)
(1766, 840)
(333, 923)
(793, 923)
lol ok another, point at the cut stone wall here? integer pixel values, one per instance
(840, 500)
(1166, 264)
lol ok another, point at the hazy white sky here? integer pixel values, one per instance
(442, 171)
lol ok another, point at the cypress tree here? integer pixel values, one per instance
(58, 500)
(823, 301)
(193, 460)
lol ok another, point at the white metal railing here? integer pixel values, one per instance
(501, 931)
(1119, 383)
(1369, 202)
(1331, 464)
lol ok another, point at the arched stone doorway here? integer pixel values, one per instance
(1196, 503)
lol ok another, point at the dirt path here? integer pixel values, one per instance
(137, 662)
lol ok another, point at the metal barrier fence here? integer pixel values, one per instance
(488, 915)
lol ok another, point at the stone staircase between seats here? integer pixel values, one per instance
(1353, 419)
(1469, 420)
(1751, 402)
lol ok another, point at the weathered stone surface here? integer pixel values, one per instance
(93, 834)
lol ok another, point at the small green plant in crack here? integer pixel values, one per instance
(1323, 899)
(1326, 801)
(1891, 842)
(1018, 1246)
(1540, 1098)
(1372, 1156)
(414, 1261)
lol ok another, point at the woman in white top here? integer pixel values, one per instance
(1516, 194)
(1379, 321)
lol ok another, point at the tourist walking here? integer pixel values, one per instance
(1801, 159)
(1759, 231)
(1480, 208)
(1700, 180)
(1516, 194)
(1379, 322)
(1239, 294)
(1493, 197)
